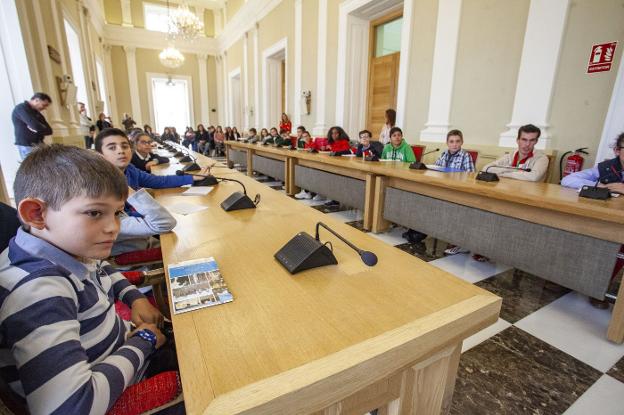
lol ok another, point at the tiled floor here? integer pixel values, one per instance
(547, 353)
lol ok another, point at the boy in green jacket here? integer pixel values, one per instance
(397, 148)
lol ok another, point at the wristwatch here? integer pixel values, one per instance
(147, 335)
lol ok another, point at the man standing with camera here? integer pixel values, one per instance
(29, 123)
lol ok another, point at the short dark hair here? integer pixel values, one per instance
(42, 96)
(253, 129)
(619, 141)
(365, 132)
(301, 127)
(529, 128)
(57, 173)
(394, 130)
(107, 132)
(454, 132)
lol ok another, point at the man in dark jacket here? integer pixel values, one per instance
(29, 124)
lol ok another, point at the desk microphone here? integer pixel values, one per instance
(485, 176)
(190, 159)
(235, 201)
(417, 165)
(595, 192)
(305, 252)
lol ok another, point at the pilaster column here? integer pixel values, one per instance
(443, 74)
(110, 90)
(220, 92)
(245, 78)
(61, 41)
(256, 54)
(226, 96)
(90, 72)
(126, 13)
(202, 59)
(133, 83)
(320, 126)
(538, 67)
(298, 61)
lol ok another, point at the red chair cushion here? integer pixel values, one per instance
(148, 394)
(135, 277)
(137, 257)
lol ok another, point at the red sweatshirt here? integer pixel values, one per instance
(340, 146)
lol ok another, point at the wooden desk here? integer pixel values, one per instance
(339, 339)
(559, 236)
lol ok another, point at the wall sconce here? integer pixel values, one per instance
(66, 90)
(307, 95)
(251, 111)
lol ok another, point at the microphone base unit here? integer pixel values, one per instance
(191, 167)
(593, 192)
(186, 159)
(237, 201)
(179, 154)
(304, 252)
(206, 181)
(417, 165)
(371, 158)
(485, 176)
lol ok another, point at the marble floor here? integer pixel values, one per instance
(547, 354)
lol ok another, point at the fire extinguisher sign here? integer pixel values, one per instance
(601, 57)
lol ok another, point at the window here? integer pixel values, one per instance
(156, 17)
(388, 37)
(102, 86)
(171, 101)
(75, 57)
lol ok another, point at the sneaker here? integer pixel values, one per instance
(480, 258)
(318, 198)
(454, 250)
(303, 195)
(331, 203)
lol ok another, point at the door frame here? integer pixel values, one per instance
(232, 76)
(150, 94)
(272, 56)
(371, 55)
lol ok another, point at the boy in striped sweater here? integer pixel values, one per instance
(62, 346)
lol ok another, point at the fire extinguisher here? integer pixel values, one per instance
(573, 163)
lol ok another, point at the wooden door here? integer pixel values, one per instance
(382, 90)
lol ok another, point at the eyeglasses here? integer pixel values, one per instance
(145, 142)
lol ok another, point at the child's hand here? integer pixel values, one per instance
(160, 338)
(144, 312)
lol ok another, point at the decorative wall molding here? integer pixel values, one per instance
(244, 20)
(126, 13)
(271, 102)
(245, 82)
(148, 39)
(406, 60)
(202, 59)
(133, 83)
(321, 70)
(443, 73)
(298, 62)
(233, 74)
(538, 67)
(221, 112)
(256, 76)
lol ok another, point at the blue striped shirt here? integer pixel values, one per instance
(62, 345)
(460, 161)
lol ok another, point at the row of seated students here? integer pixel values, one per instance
(64, 348)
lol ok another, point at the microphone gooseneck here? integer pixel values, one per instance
(367, 257)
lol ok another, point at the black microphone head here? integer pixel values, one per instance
(368, 258)
(179, 173)
(527, 170)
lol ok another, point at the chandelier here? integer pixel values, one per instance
(171, 57)
(185, 23)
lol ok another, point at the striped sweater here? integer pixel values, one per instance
(62, 346)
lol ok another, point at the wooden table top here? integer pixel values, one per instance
(281, 328)
(541, 195)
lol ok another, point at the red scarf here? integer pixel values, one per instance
(523, 161)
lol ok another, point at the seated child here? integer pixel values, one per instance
(253, 136)
(143, 158)
(339, 142)
(64, 348)
(271, 138)
(368, 148)
(397, 148)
